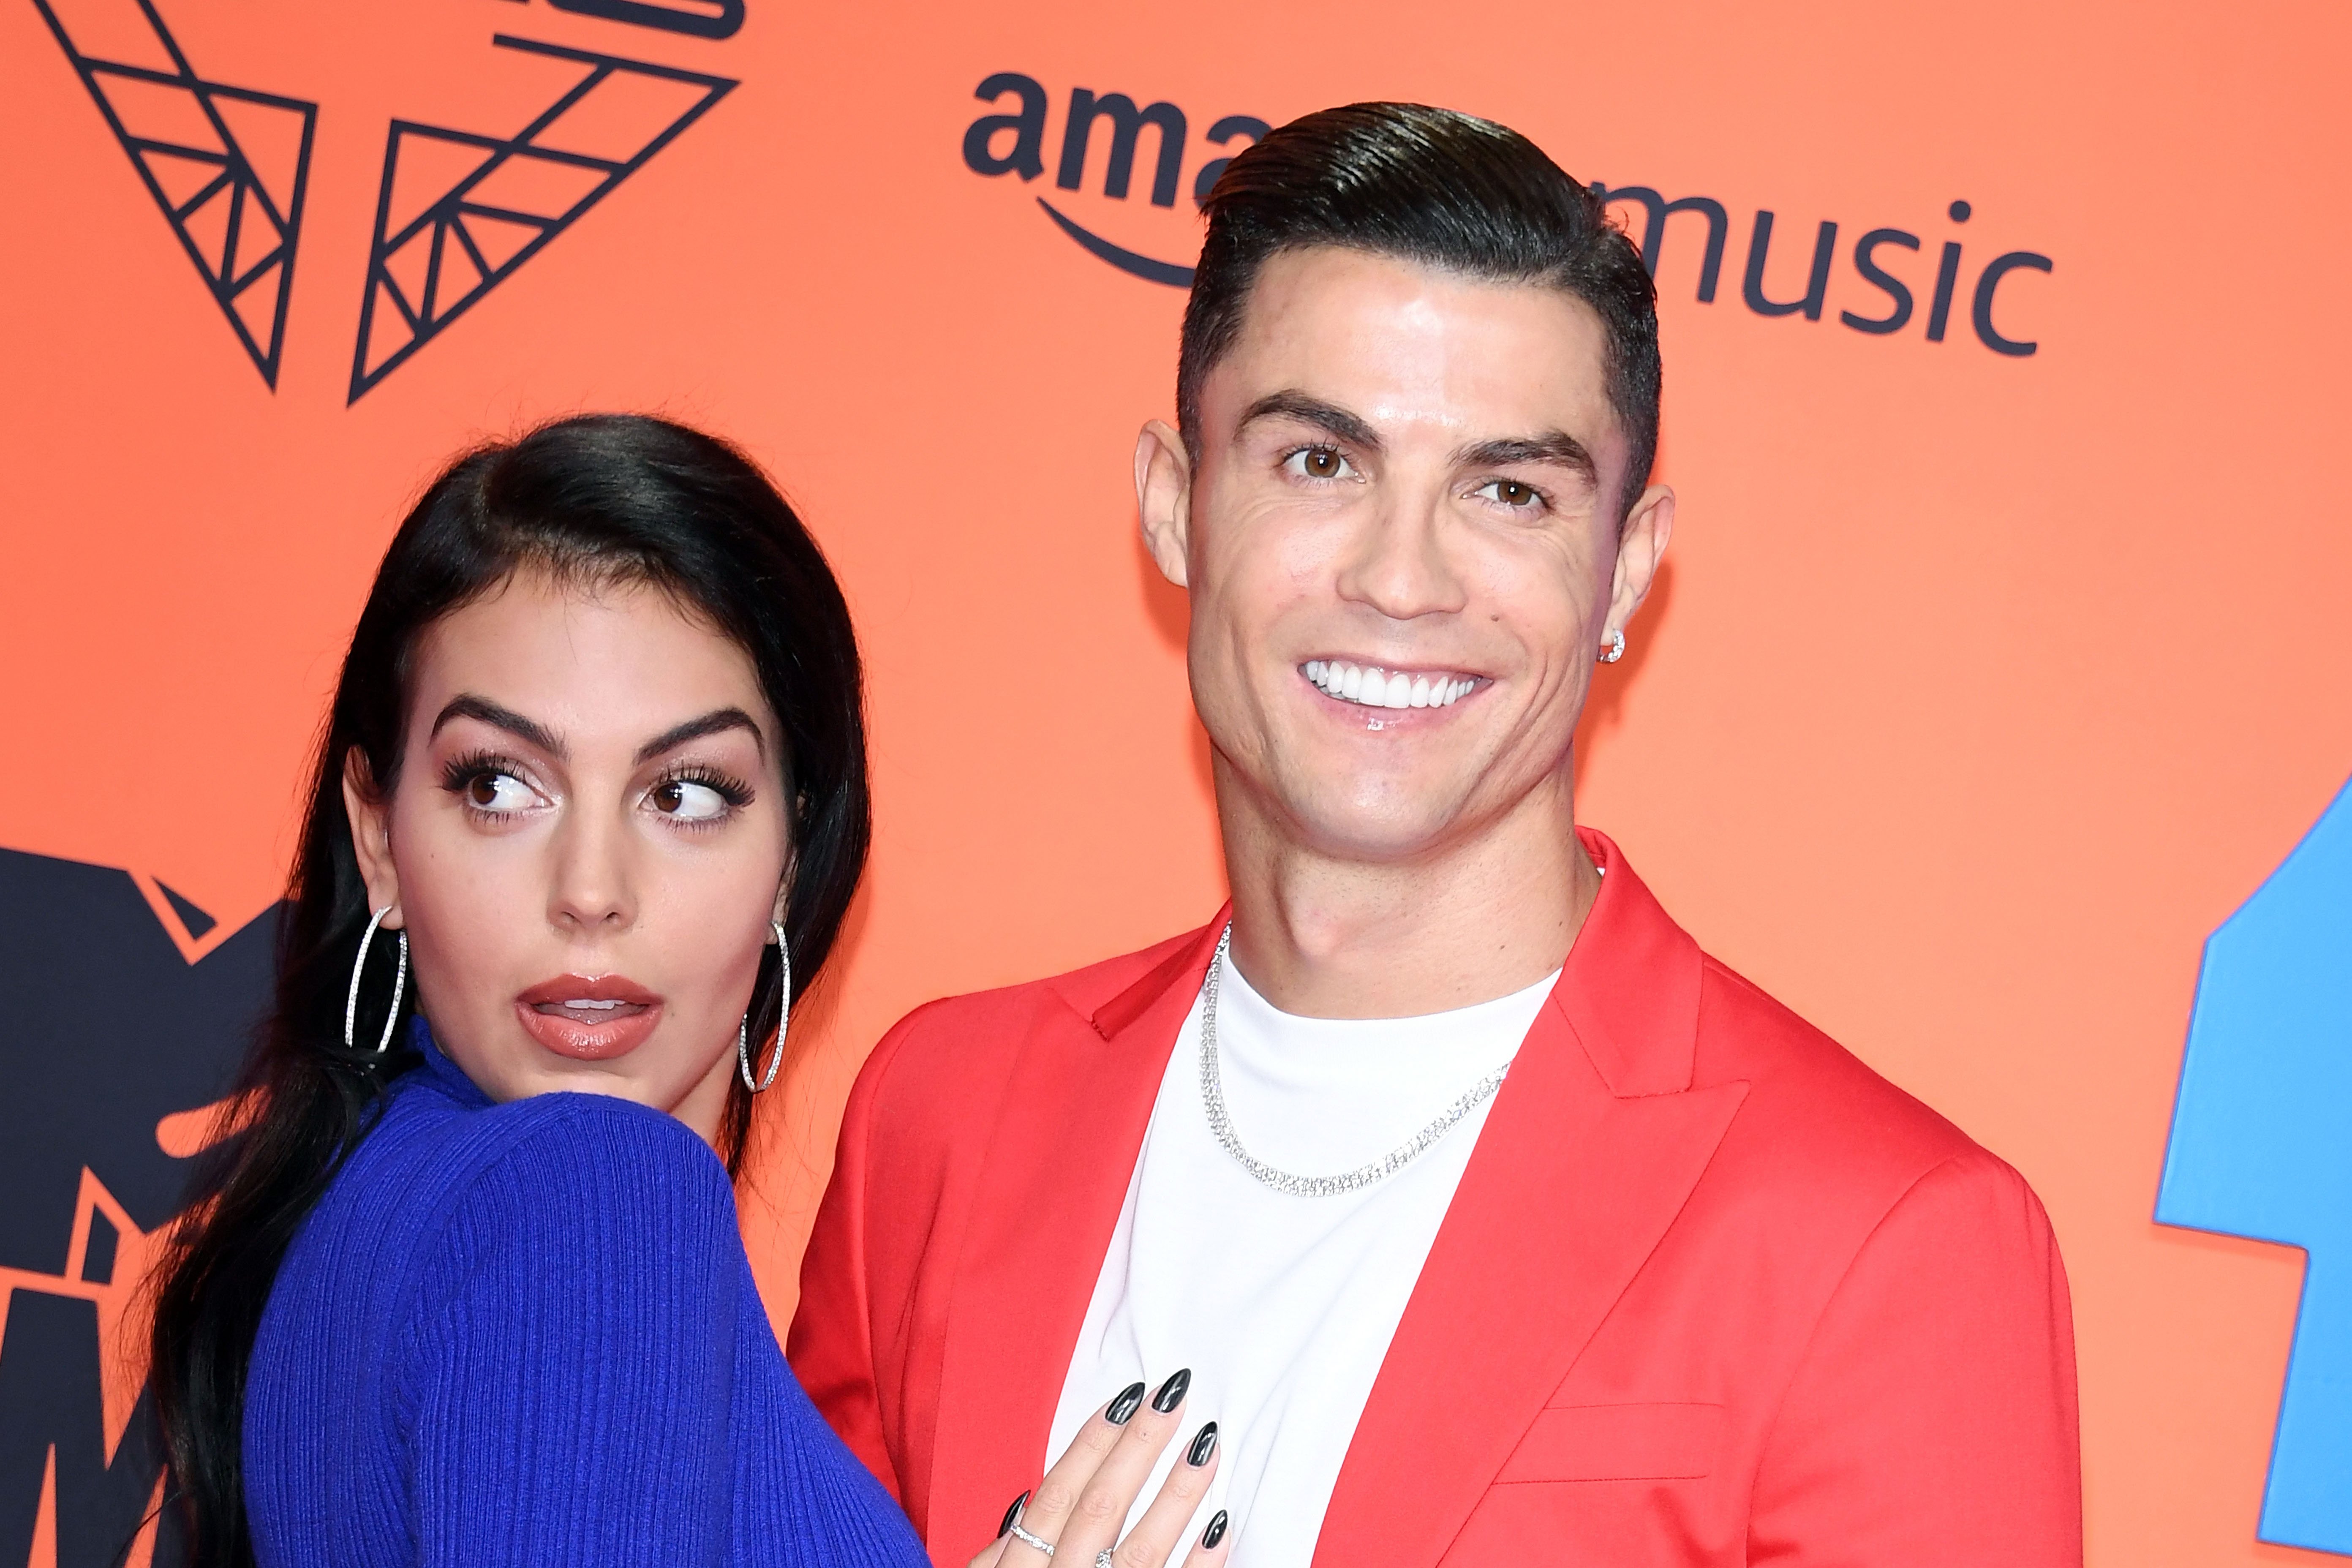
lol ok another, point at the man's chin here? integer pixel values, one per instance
(1389, 833)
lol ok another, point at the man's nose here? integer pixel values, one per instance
(1397, 563)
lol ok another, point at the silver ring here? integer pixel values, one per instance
(1103, 1558)
(1039, 1541)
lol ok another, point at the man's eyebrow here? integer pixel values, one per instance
(717, 722)
(1328, 417)
(1554, 447)
(468, 706)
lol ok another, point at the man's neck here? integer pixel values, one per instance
(1327, 936)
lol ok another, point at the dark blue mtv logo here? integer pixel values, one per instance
(2262, 1147)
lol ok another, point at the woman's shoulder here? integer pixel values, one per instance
(572, 1161)
(438, 1189)
(425, 1143)
(578, 1120)
(528, 1214)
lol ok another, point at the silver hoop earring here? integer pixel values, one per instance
(399, 986)
(784, 1016)
(1616, 647)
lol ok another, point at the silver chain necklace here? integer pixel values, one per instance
(1212, 1094)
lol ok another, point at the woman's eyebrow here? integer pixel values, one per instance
(716, 722)
(468, 706)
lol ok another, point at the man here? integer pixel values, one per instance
(1692, 1284)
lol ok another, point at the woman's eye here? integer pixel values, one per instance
(496, 793)
(687, 801)
(1519, 496)
(1318, 463)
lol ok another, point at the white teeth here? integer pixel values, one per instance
(600, 1007)
(1376, 687)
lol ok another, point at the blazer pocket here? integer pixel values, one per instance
(1617, 1443)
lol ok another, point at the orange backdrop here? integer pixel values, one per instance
(1979, 688)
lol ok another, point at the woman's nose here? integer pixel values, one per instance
(591, 889)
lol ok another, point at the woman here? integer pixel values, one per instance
(468, 1286)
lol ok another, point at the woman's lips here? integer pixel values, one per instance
(589, 1020)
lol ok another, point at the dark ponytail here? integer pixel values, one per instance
(599, 500)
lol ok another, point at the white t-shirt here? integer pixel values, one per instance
(1282, 1306)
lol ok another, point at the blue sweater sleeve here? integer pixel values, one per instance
(826, 1510)
(567, 1372)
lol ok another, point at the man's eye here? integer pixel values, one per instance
(496, 793)
(1318, 463)
(1511, 493)
(687, 801)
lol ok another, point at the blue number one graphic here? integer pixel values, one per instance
(2262, 1147)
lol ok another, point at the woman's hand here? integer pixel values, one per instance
(1078, 1509)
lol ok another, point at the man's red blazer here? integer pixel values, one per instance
(1710, 1291)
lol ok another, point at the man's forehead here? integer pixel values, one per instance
(1403, 343)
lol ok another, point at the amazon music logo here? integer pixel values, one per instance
(1891, 289)
(1888, 263)
(1104, 131)
(459, 208)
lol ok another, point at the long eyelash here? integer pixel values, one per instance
(727, 786)
(464, 769)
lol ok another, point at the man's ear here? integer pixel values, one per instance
(1163, 497)
(370, 818)
(1641, 545)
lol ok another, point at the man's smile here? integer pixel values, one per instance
(1370, 685)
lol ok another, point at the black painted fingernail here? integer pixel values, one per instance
(1214, 1533)
(1013, 1516)
(1130, 1401)
(1203, 1445)
(1172, 1393)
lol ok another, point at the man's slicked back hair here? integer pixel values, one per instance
(1440, 188)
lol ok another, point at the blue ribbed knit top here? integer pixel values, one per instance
(528, 1333)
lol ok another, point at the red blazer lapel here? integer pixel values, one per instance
(1047, 1201)
(1592, 1148)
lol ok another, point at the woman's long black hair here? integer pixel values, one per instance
(597, 499)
